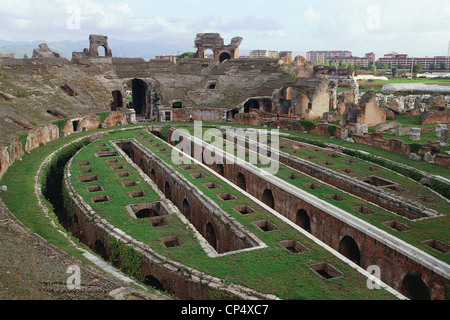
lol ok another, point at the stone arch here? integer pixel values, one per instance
(153, 175)
(211, 235)
(224, 56)
(139, 96)
(186, 209)
(117, 102)
(350, 249)
(414, 287)
(241, 182)
(152, 281)
(220, 169)
(100, 249)
(251, 104)
(167, 190)
(268, 199)
(302, 220)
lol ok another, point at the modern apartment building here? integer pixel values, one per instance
(345, 56)
(396, 59)
(324, 56)
(257, 54)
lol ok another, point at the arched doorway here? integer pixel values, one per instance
(224, 56)
(211, 235)
(153, 282)
(349, 248)
(117, 100)
(220, 169)
(100, 249)
(302, 220)
(251, 104)
(167, 191)
(139, 89)
(414, 288)
(268, 199)
(241, 183)
(186, 209)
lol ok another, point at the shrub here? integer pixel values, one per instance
(60, 123)
(308, 125)
(331, 129)
(414, 147)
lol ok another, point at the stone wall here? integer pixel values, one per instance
(42, 135)
(435, 117)
(331, 229)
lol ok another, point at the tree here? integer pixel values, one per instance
(417, 68)
(442, 65)
(25, 56)
(186, 55)
(394, 71)
(374, 70)
(432, 66)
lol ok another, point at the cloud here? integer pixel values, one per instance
(311, 15)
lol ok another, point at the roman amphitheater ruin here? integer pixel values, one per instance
(149, 204)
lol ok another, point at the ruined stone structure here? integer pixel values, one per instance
(246, 91)
(215, 43)
(95, 41)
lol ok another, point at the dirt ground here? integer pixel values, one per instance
(33, 269)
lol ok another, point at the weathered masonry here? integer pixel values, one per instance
(222, 232)
(404, 267)
(157, 270)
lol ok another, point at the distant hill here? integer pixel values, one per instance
(120, 48)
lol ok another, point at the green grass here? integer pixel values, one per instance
(287, 275)
(277, 266)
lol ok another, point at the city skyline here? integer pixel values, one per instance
(416, 28)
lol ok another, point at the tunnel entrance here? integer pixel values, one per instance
(153, 282)
(224, 56)
(186, 209)
(251, 104)
(267, 198)
(414, 288)
(139, 89)
(349, 248)
(302, 220)
(117, 102)
(211, 235)
(241, 183)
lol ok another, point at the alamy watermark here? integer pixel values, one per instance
(257, 147)
(74, 280)
(73, 22)
(373, 18)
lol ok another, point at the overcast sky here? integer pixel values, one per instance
(415, 27)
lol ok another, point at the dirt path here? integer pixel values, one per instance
(32, 268)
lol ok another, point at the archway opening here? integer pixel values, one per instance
(268, 199)
(167, 191)
(211, 235)
(224, 56)
(117, 102)
(153, 282)
(208, 54)
(101, 51)
(251, 104)
(241, 183)
(220, 169)
(349, 248)
(302, 220)
(100, 249)
(139, 89)
(186, 209)
(414, 288)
